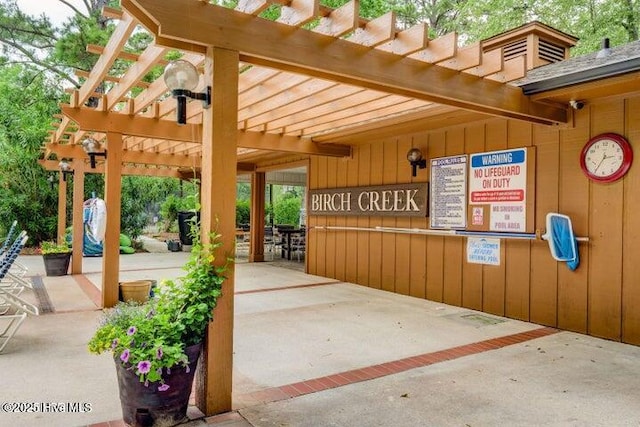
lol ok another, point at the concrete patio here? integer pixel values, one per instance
(310, 351)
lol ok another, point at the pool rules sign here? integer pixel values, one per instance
(498, 190)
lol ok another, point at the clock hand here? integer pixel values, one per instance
(604, 156)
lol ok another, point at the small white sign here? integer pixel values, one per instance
(481, 250)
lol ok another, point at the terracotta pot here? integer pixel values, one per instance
(146, 406)
(137, 290)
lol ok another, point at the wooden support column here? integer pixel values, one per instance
(62, 206)
(78, 215)
(218, 201)
(256, 245)
(112, 200)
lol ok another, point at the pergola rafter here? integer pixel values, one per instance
(313, 83)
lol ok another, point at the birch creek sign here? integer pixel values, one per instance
(498, 180)
(382, 200)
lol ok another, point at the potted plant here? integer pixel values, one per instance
(156, 345)
(56, 258)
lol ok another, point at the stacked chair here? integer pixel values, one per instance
(17, 268)
(13, 308)
(298, 244)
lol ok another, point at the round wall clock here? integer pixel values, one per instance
(606, 157)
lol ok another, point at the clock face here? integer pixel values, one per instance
(606, 158)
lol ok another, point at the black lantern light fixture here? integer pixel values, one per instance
(181, 77)
(93, 148)
(65, 169)
(414, 156)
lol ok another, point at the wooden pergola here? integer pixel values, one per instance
(281, 92)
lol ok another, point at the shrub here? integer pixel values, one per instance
(243, 212)
(287, 211)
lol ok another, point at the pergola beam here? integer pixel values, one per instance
(96, 121)
(301, 51)
(52, 165)
(74, 151)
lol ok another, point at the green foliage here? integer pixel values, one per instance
(243, 208)
(287, 210)
(243, 191)
(151, 338)
(48, 247)
(133, 217)
(441, 16)
(140, 195)
(169, 211)
(25, 191)
(142, 338)
(173, 204)
(588, 20)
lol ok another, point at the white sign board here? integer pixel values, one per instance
(482, 250)
(499, 179)
(448, 208)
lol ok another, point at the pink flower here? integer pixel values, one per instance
(144, 367)
(125, 355)
(163, 387)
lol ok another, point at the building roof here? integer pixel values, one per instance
(621, 60)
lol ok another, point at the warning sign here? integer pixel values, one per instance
(499, 179)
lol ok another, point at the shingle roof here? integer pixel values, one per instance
(586, 67)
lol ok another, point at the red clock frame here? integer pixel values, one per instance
(627, 157)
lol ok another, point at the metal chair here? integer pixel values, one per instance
(298, 244)
(13, 308)
(11, 280)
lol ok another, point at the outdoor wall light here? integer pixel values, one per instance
(181, 77)
(65, 169)
(93, 148)
(415, 159)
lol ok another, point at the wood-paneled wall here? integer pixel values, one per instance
(600, 298)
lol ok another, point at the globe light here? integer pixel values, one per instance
(181, 77)
(181, 74)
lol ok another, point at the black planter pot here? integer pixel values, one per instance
(56, 264)
(146, 406)
(184, 226)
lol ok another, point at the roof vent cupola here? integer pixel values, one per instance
(540, 43)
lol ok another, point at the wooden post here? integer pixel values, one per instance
(112, 200)
(218, 200)
(256, 243)
(62, 207)
(78, 216)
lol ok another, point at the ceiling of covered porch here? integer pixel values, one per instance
(363, 78)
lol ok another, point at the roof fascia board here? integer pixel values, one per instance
(584, 76)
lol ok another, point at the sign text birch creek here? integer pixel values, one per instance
(382, 200)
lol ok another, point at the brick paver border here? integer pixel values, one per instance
(340, 379)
